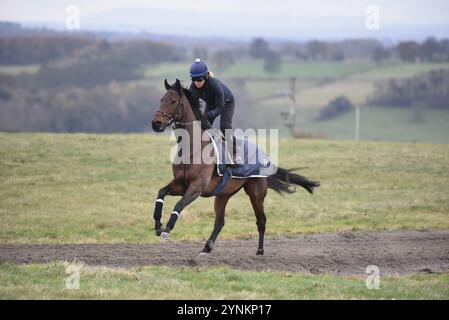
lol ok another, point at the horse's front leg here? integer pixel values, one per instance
(171, 189)
(157, 215)
(193, 191)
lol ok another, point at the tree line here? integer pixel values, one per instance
(429, 89)
(86, 83)
(115, 107)
(429, 50)
(82, 84)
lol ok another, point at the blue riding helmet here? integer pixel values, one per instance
(198, 69)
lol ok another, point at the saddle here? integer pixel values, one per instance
(255, 163)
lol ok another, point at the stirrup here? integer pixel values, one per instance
(238, 160)
(235, 161)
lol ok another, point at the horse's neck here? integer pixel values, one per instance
(188, 116)
(194, 130)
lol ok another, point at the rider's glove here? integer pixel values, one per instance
(205, 124)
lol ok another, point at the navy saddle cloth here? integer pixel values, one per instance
(254, 162)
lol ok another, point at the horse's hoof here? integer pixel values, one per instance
(260, 252)
(159, 231)
(209, 245)
(165, 235)
(203, 253)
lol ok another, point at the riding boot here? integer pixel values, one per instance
(238, 156)
(235, 153)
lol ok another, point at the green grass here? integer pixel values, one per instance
(101, 188)
(319, 96)
(84, 188)
(300, 70)
(16, 69)
(399, 70)
(167, 70)
(383, 124)
(357, 84)
(254, 69)
(376, 124)
(47, 281)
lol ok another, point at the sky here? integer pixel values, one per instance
(410, 13)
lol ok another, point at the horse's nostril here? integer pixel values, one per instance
(156, 125)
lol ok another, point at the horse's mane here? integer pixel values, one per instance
(194, 101)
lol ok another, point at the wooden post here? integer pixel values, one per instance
(357, 123)
(289, 117)
(293, 103)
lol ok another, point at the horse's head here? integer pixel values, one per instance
(171, 107)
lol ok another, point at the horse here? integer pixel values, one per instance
(179, 107)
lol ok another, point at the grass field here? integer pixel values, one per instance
(376, 124)
(398, 70)
(317, 84)
(381, 124)
(102, 188)
(357, 83)
(48, 282)
(384, 124)
(254, 69)
(17, 69)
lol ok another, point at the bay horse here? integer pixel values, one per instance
(179, 107)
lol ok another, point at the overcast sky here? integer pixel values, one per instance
(406, 11)
(406, 18)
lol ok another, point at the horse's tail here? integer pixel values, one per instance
(282, 180)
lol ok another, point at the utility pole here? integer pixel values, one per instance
(357, 123)
(290, 116)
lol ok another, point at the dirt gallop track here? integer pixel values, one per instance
(346, 253)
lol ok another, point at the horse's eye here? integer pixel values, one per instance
(174, 101)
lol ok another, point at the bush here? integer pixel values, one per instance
(272, 62)
(335, 108)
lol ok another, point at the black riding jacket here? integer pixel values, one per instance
(215, 94)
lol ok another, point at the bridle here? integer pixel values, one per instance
(175, 119)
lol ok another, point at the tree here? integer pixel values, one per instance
(200, 52)
(430, 50)
(380, 54)
(428, 89)
(409, 51)
(316, 50)
(272, 62)
(223, 59)
(258, 48)
(444, 46)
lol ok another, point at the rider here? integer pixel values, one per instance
(219, 101)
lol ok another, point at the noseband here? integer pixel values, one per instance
(175, 119)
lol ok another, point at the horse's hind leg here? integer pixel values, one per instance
(256, 189)
(171, 189)
(219, 207)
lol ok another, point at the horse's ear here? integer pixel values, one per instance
(178, 84)
(167, 86)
